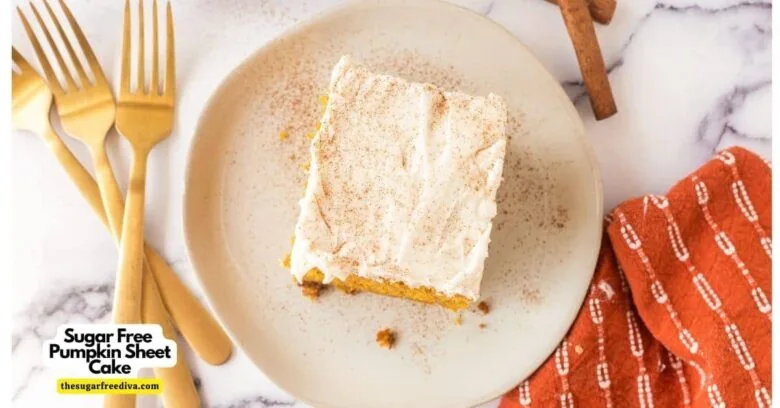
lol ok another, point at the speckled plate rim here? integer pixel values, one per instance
(499, 30)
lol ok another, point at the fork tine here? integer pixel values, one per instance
(21, 65)
(141, 66)
(60, 61)
(97, 71)
(51, 78)
(19, 60)
(154, 87)
(76, 63)
(16, 79)
(124, 86)
(170, 57)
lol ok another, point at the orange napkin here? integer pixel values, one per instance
(679, 311)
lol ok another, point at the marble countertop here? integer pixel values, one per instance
(690, 77)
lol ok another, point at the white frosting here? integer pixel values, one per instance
(402, 183)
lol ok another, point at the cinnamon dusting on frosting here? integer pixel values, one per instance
(403, 181)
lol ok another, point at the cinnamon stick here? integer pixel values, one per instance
(594, 74)
(600, 10)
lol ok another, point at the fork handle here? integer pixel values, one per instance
(202, 332)
(119, 401)
(209, 341)
(78, 175)
(129, 280)
(110, 193)
(196, 324)
(178, 387)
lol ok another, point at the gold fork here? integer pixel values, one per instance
(31, 102)
(144, 119)
(87, 113)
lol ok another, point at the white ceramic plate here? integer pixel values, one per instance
(240, 207)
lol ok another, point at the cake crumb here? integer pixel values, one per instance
(350, 291)
(578, 349)
(483, 307)
(311, 289)
(459, 319)
(285, 262)
(284, 134)
(385, 338)
(482, 326)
